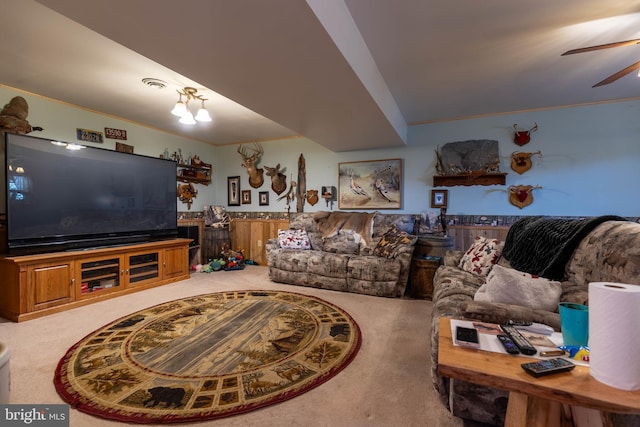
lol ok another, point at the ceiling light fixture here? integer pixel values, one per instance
(181, 109)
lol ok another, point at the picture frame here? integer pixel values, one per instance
(263, 198)
(233, 191)
(246, 197)
(439, 198)
(370, 184)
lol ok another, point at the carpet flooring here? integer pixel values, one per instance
(388, 383)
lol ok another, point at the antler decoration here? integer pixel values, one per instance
(521, 195)
(521, 162)
(523, 137)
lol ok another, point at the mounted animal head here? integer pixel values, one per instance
(249, 161)
(278, 179)
(523, 137)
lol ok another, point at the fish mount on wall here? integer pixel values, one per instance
(521, 162)
(522, 137)
(521, 195)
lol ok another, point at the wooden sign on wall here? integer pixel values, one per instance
(124, 148)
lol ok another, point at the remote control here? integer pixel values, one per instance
(536, 328)
(508, 344)
(521, 342)
(547, 367)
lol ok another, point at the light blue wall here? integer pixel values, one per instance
(590, 159)
(590, 163)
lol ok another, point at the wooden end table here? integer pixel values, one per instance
(532, 401)
(421, 275)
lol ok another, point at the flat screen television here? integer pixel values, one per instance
(62, 196)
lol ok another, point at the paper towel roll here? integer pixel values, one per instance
(614, 319)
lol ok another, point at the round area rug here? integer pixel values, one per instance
(207, 357)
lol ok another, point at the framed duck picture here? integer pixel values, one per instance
(371, 184)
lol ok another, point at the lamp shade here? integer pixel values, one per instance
(187, 119)
(180, 109)
(203, 115)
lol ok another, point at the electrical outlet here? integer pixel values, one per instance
(259, 243)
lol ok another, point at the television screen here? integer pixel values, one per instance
(63, 195)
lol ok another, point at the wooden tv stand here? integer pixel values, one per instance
(37, 285)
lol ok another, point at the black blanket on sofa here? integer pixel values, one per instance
(543, 246)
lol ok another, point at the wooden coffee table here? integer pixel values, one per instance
(532, 401)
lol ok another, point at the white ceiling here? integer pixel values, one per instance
(348, 74)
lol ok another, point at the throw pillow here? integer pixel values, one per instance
(483, 254)
(391, 241)
(294, 239)
(510, 286)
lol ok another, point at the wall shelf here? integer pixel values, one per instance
(192, 173)
(468, 179)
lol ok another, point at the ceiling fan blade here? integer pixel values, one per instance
(601, 46)
(612, 78)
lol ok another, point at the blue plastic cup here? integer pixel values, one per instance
(574, 323)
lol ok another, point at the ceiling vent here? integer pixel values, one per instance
(154, 83)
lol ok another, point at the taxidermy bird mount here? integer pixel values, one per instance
(13, 117)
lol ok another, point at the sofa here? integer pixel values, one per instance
(565, 254)
(366, 253)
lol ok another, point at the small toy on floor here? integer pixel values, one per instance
(229, 260)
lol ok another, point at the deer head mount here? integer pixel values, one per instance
(523, 137)
(249, 161)
(278, 179)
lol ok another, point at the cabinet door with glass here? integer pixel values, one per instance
(95, 276)
(143, 267)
